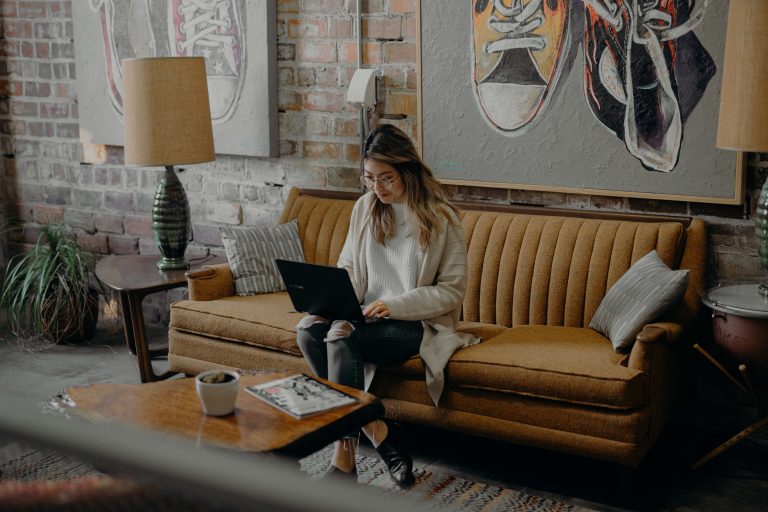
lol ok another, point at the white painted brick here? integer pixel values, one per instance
(266, 195)
(148, 246)
(265, 171)
(260, 216)
(224, 212)
(308, 176)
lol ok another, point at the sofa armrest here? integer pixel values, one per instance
(652, 334)
(211, 282)
(660, 331)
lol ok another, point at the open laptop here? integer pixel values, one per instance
(320, 290)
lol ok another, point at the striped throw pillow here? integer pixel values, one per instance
(648, 290)
(252, 251)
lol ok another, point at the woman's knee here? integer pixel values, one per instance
(307, 340)
(343, 347)
(340, 329)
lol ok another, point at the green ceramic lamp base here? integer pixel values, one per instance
(172, 264)
(170, 221)
(761, 233)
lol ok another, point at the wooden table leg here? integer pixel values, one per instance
(125, 309)
(731, 442)
(746, 388)
(134, 317)
(720, 367)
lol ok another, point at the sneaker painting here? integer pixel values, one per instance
(630, 79)
(519, 50)
(126, 33)
(214, 30)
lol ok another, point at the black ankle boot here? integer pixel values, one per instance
(398, 461)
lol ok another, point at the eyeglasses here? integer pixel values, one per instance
(385, 183)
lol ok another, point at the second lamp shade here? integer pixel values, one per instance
(743, 122)
(167, 117)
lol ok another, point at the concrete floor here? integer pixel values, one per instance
(737, 480)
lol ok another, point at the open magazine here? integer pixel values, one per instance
(300, 395)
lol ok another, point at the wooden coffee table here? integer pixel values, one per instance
(172, 407)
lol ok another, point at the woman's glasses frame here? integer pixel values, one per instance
(385, 183)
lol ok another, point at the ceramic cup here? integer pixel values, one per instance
(218, 399)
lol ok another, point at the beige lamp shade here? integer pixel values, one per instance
(166, 114)
(743, 121)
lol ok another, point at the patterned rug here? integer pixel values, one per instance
(442, 492)
(33, 479)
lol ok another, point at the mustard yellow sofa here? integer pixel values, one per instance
(541, 377)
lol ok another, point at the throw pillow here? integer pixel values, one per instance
(648, 290)
(252, 251)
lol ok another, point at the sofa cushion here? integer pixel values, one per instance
(645, 292)
(251, 252)
(266, 320)
(490, 405)
(570, 364)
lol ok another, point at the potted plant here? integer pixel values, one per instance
(46, 291)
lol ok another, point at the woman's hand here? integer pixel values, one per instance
(376, 310)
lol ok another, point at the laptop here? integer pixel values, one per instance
(320, 290)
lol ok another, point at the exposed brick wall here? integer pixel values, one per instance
(108, 205)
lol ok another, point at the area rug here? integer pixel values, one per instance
(43, 480)
(442, 491)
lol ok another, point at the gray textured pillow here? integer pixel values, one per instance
(252, 251)
(645, 292)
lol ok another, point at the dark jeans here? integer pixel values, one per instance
(341, 360)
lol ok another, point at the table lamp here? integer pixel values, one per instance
(167, 121)
(743, 121)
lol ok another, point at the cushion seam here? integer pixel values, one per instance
(233, 340)
(490, 363)
(240, 319)
(545, 397)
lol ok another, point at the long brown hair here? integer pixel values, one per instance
(424, 195)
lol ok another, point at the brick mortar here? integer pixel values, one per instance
(251, 190)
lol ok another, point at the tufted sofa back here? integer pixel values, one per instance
(323, 223)
(548, 270)
(528, 268)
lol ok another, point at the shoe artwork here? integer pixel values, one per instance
(519, 48)
(212, 29)
(630, 49)
(126, 33)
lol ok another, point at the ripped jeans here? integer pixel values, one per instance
(340, 356)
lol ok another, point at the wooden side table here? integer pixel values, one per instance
(740, 326)
(135, 277)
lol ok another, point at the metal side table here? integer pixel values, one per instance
(134, 277)
(740, 327)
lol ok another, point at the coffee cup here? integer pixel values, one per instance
(217, 390)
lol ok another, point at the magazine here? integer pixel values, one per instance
(300, 395)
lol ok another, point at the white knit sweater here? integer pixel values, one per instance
(437, 298)
(397, 261)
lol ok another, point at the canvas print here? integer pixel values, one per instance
(518, 51)
(634, 52)
(557, 92)
(234, 38)
(645, 71)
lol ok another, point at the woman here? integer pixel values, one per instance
(407, 259)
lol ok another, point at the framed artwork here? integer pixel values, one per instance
(236, 37)
(603, 97)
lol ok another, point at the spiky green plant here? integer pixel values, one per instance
(46, 290)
